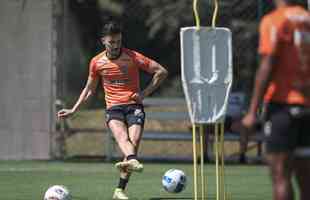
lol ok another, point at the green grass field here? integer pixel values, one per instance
(28, 180)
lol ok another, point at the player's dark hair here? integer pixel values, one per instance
(110, 28)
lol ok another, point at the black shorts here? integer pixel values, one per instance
(286, 127)
(129, 114)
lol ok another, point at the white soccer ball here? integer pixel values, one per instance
(174, 181)
(57, 192)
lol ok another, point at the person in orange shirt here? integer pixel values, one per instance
(283, 84)
(118, 70)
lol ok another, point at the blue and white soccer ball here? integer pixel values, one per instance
(57, 192)
(174, 181)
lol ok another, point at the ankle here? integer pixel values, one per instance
(131, 157)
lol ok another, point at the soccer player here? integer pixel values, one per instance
(118, 70)
(283, 83)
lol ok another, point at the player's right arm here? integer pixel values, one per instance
(88, 90)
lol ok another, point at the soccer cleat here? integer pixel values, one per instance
(134, 165)
(122, 166)
(119, 194)
(130, 165)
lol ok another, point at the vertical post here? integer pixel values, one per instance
(217, 162)
(57, 149)
(201, 133)
(223, 191)
(195, 163)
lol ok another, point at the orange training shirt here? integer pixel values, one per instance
(119, 77)
(278, 38)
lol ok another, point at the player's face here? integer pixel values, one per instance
(113, 44)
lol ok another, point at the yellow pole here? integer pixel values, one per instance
(217, 161)
(197, 19)
(195, 163)
(202, 161)
(222, 162)
(215, 13)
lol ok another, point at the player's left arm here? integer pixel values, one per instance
(160, 74)
(152, 67)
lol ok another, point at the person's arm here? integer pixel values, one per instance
(89, 90)
(262, 80)
(159, 74)
(268, 41)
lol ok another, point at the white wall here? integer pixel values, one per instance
(26, 79)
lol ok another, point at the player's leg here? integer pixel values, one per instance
(135, 132)
(302, 159)
(124, 178)
(281, 165)
(302, 172)
(116, 121)
(122, 184)
(280, 142)
(135, 119)
(119, 131)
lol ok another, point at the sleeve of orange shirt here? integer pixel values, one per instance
(267, 37)
(92, 69)
(143, 62)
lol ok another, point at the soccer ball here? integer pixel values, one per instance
(174, 181)
(57, 192)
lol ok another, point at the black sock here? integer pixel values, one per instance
(122, 183)
(133, 156)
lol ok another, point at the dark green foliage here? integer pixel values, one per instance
(152, 27)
